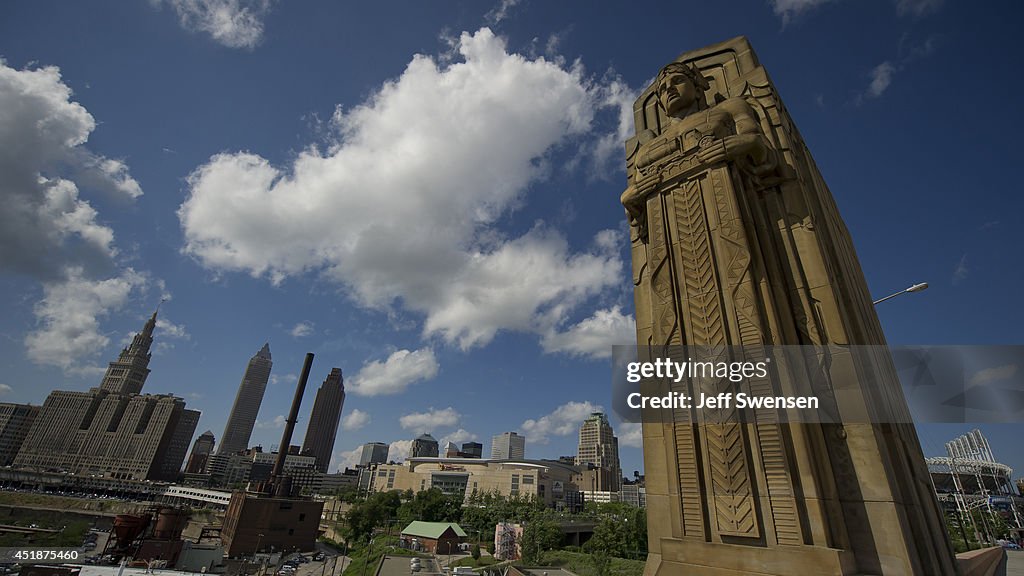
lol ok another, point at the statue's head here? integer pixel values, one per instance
(680, 88)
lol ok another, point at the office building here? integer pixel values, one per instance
(15, 422)
(599, 449)
(323, 421)
(201, 450)
(508, 446)
(374, 453)
(549, 481)
(472, 450)
(243, 414)
(424, 446)
(112, 431)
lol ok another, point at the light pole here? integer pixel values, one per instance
(915, 288)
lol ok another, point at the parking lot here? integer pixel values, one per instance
(399, 566)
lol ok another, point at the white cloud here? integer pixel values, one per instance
(500, 12)
(346, 458)
(233, 23)
(609, 150)
(447, 150)
(48, 231)
(399, 450)
(565, 420)
(301, 329)
(961, 271)
(881, 77)
(458, 437)
(788, 9)
(594, 336)
(167, 329)
(420, 422)
(277, 422)
(68, 317)
(917, 8)
(630, 434)
(5, 389)
(46, 225)
(995, 374)
(286, 378)
(392, 376)
(355, 420)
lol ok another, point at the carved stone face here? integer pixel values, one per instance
(677, 93)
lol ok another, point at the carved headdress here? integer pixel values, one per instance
(690, 71)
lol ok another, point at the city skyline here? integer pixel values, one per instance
(424, 220)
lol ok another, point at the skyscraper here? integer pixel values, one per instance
(113, 430)
(472, 450)
(374, 453)
(425, 446)
(15, 422)
(128, 373)
(508, 446)
(201, 450)
(238, 429)
(600, 448)
(323, 421)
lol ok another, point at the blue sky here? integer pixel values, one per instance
(426, 194)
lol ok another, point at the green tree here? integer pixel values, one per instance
(540, 534)
(430, 506)
(365, 516)
(474, 551)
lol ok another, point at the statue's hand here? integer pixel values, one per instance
(714, 152)
(748, 149)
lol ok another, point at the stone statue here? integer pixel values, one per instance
(736, 241)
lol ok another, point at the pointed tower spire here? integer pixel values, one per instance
(128, 373)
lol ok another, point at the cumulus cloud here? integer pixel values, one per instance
(277, 422)
(69, 314)
(609, 153)
(46, 225)
(789, 9)
(167, 329)
(346, 458)
(355, 420)
(432, 419)
(48, 230)
(233, 23)
(630, 434)
(392, 376)
(404, 207)
(5, 389)
(458, 437)
(594, 336)
(301, 329)
(399, 450)
(565, 420)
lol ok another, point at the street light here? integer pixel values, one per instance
(915, 288)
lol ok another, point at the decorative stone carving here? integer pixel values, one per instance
(736, 241)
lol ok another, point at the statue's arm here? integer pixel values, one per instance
(748, 145)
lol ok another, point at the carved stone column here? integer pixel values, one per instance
(736, 241)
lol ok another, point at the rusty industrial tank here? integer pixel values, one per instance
(170, 522)
(128, 527)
